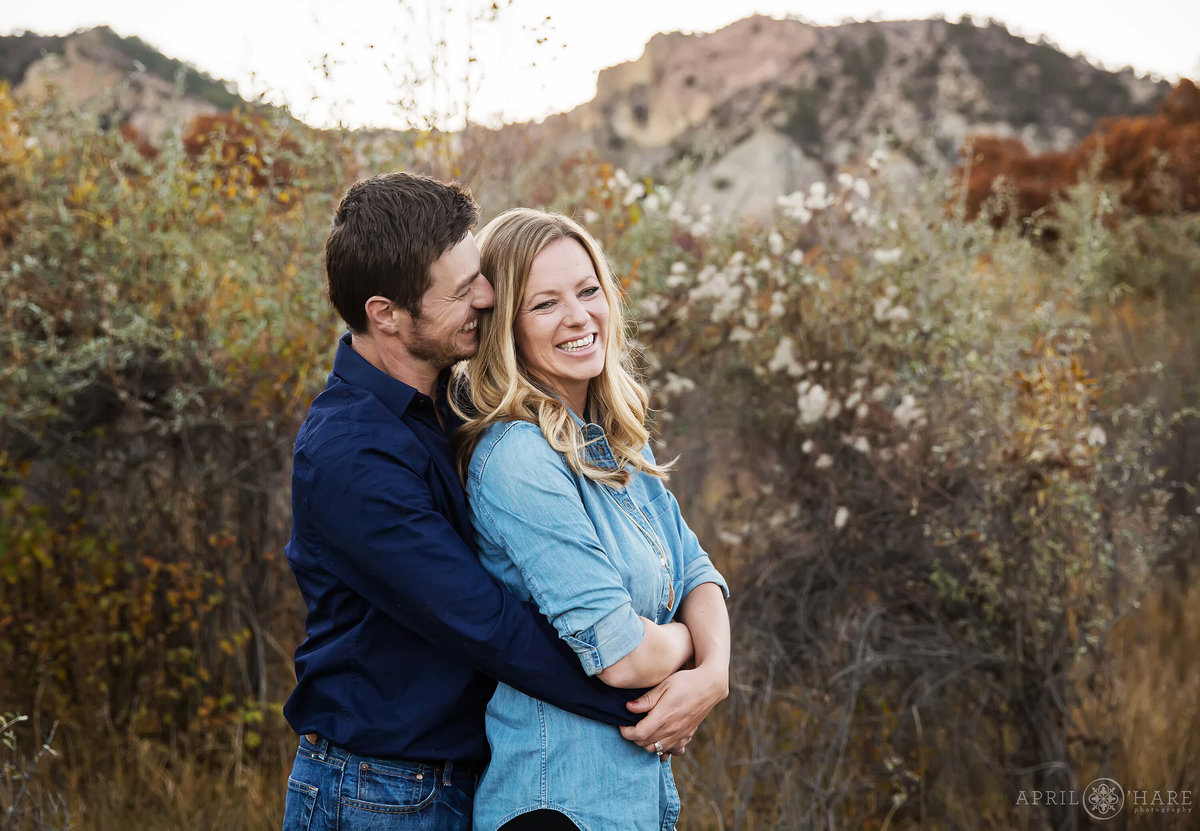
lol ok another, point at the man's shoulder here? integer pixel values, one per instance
(344, 416)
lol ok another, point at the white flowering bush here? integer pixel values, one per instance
(897, 437)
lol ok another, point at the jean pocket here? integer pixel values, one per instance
(298, 808)
(390, 789)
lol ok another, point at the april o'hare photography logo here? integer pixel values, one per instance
(1103, 799)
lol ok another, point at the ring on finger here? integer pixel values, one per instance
(658, 748)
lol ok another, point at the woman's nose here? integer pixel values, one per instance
(575, 314)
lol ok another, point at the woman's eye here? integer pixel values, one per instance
(541, 307)
(590, 291)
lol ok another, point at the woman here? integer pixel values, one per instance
(570, 510)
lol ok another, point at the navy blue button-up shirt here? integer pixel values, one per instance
(406, 631)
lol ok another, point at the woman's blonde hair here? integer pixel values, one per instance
(500, 388)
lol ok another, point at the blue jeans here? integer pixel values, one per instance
(332, 789)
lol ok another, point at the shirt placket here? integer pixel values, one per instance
(600, 452)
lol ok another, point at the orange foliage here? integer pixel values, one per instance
(1156, 158)
(237, 141)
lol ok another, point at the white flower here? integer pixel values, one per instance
(898, 314)
(793, 207)
(823, 462)
(740, 334)
(888, 256)
(881, 392)
(653, 306)
(677, 384)
(622, 178)
(796, 257)
(679, 267)
(650, 204)
(808, 447)
(750, 318)
(845, 181)
(863, 188)
(818, 197)
(1096, 437)
(907, 411)
(812, 404)
(590, 217)
(763, 264)
(775, 243)
(878, 157)
(834, 408)
(853, 399)
(840, 517)
(862, 411)
(636, 191)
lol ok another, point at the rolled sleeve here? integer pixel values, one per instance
(612, 638)
(700, 570)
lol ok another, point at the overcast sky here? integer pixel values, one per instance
(384, 62)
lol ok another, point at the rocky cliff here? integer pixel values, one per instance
(765, 106)
(735, 118)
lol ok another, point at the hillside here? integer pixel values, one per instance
(736, 118)
(123, 80)
(764, 107)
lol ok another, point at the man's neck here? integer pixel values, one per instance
(389, 357)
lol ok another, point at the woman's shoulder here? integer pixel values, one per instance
(504, 445)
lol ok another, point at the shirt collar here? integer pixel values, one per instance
(396, 395)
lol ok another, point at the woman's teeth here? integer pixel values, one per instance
(577, 344)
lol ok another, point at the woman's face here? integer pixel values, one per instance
(562, 321)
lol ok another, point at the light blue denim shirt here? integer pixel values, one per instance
(593, 558)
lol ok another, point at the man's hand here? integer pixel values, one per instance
(675, 708)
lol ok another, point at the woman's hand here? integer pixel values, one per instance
(676, 707)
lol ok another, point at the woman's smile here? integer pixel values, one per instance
(563, 319)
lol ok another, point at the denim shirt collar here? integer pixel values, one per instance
(596, 448)
(394, 394)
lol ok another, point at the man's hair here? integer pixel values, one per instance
(496, 385)
(387, 231)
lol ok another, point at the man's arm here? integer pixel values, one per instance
(377, 530)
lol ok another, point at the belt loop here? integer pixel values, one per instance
(447, 771)
(320, 743)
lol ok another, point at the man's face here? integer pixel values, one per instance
(446, 330)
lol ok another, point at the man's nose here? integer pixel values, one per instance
(482, 295)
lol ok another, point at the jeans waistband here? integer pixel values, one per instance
(448, 772)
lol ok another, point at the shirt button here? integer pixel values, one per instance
(662, 560)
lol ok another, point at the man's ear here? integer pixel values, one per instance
(383, 315)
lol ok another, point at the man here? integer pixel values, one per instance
(405, 630)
